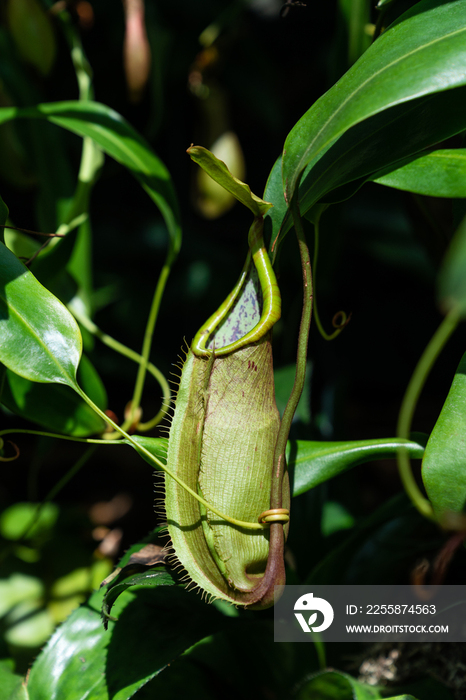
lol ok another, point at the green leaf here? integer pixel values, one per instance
(120, 141)
(357, 16)
(452, 275)
(10, 683)
(315, 462)
(3, 218)
(156, 446)
(437, 174)
(334, 685)
(128, 578)
(419, 55)
(40, 340)
(219, 172)
(15, 519)
(380, 548)
(443, 466)
(83, 661)
(57, 407)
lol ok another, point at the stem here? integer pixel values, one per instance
(132, 355)
(303, 338)
(408, 406)
(322, 332)
(89, 441)
(147, 343)
(160, 465)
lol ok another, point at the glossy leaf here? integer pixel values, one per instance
(154, 627)
(316, 462)
(437, 174)
(57, 407)
(128, 578)
(40, 340)
(452, 275)
(421, 54)
(443, 466)
(120, 141)
(219, 172)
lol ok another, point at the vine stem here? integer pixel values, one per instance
(160, 465)
(131, 355)
(147, 342)
(408, 406)
(300, 375)
(323, 333)
(71, 438)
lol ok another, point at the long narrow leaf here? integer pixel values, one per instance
(443, 467)
(120, 141)
(440, 173)
(420, 55)
(316, 462)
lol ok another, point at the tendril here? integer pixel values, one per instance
(16, 449)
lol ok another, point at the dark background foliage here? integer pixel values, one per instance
(380, 252)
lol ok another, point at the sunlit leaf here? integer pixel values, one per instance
(315, 462)
(444, 466)
(211, 199)
(15, 519)
(154, 627)
(40, 340)
(437, 174)
(10, 682)
(409, 82)
(219, 172)
(55, 406)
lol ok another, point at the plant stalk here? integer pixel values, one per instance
(408, 406)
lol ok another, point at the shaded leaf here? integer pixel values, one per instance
(315, 462)
(3, 218)
(219, 172)
(56, 407)
(119, 140)
(381, 548)
(40, 340)
(452, 275)
(443, 466)
(32, 31)
(334, 685)
(440, 173)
